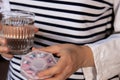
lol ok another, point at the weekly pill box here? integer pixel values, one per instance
(34, 62)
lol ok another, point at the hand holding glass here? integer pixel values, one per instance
(18, 30)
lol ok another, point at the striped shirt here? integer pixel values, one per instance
(65, 21)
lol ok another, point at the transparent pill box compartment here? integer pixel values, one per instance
(36, 61)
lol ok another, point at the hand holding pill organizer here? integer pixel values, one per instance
(34, 62)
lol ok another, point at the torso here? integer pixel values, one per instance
(66, 21)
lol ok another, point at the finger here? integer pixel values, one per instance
(4, 49)
(52, 49)
(54, 70)
(66, 73)
(4, 52)
(54, 78)
(7, 55)
(2, 41)
(61, 76)
(49, 72)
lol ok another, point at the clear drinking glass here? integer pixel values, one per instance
(18, 30)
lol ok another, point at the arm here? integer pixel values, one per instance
(107, 57)
(107, 52)
(74, 57)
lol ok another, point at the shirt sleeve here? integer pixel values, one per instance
(107, 52)
(107, 57)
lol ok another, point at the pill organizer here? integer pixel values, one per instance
(34, 62)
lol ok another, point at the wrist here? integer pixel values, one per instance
(89, 59)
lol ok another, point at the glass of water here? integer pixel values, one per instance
(18, 30)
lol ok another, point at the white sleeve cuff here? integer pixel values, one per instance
(89, 73)
(107, 57)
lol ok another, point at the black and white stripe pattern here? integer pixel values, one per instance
(65, 21)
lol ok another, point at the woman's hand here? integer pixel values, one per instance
(4, 50)
(72, 57)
